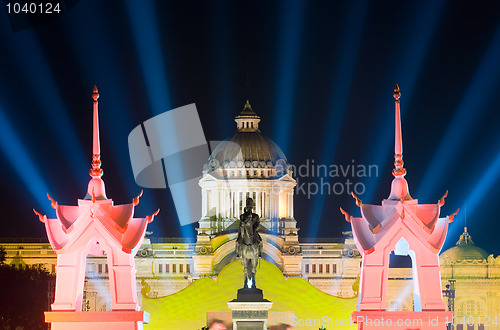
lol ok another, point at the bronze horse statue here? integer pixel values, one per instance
(249, 243)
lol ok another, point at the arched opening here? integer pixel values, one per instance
(96, 296)
(401, 293)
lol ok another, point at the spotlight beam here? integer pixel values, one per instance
(145, 32)
(473, 103)
(350, 43)
(290, 33)
(421, 32)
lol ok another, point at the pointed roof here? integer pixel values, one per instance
(465, 238)
(95, 215)
(247, 111)
(247, 120)
(399, 214)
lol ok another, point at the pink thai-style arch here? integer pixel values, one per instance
(95, 226)
(406, 227)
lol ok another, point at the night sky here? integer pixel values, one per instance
(319, 74)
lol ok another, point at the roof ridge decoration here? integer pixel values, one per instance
(95, 226)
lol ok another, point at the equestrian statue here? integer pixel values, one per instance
(249, 243)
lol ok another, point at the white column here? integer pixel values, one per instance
(289, 201)
(237, 204)
(204, 203)
(257, 203)
(226, 203)
(268, 204)
(217, 203)
(232, 204)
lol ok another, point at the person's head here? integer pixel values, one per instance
(249, 206)
(217, 325)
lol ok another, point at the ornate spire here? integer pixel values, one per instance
(398, 170)
(96, 170)
(96, 189)
(399, 187)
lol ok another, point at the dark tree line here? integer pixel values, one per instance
(23, 296)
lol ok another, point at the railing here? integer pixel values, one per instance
(321, 240)
(171, 240)
(22, 240)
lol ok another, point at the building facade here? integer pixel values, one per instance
(251, 165)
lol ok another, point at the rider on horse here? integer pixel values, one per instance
(249, 242)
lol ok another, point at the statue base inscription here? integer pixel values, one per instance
(110, 320)
(250, 314)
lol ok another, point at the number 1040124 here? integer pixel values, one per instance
(33, 8)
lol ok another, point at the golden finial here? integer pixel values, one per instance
(95, 93)
(397, 93)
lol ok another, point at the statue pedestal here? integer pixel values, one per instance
(250, 310)
(110, 320)
(400, 320)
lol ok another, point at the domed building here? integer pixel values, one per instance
(247, 165)
(465, 250)
(475, 276)
(251, 165)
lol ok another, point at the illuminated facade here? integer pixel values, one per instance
(260, 170)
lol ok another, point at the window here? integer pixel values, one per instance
(106, 268)
(167, 268)
(334, 268)
(173, 268)
(181, 268)
(187, 268)
(99, 268)
(307, 269)
(313, 269)
(320, 270)
(327, 270)
(160, 268)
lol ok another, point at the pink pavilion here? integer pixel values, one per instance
(408, 228)
(93, 227)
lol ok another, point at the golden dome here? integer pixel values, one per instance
(465, 250)
(248, 147)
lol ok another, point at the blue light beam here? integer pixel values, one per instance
(468, 113)
(145, 31)
(290, 34)
(411, 61)
(22, 164)
(349, 46)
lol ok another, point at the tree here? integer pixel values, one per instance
(24, 293)
(3, 253)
